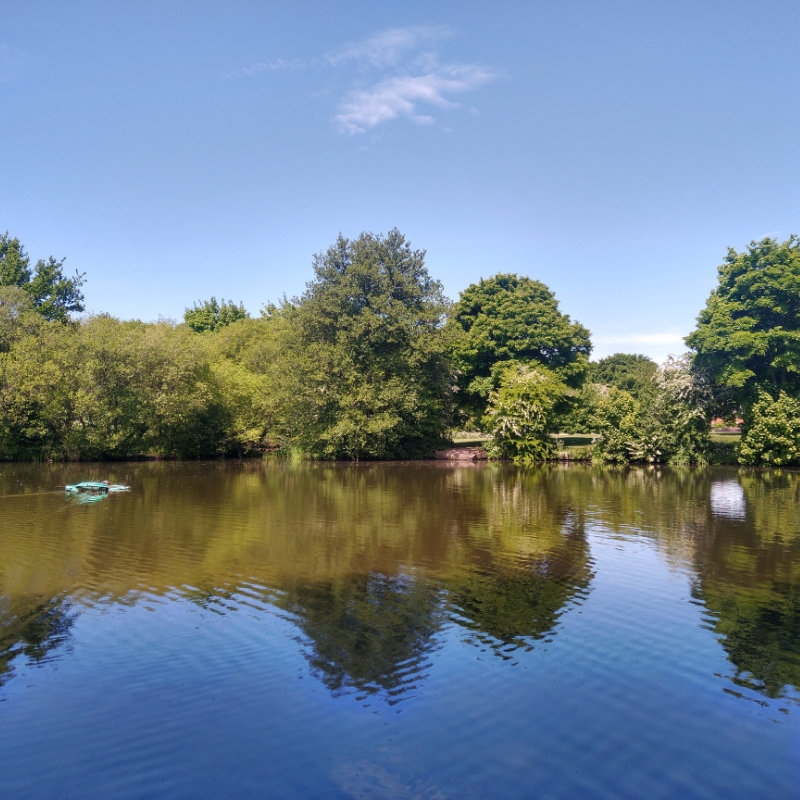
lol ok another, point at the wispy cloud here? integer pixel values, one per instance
(387, 48)
(403, 95)
(259, 67)
(394, 73)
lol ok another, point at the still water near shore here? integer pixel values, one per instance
(267, 629)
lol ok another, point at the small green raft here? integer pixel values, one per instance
(95, 487)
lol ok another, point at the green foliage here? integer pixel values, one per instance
(576, 412)
(668, 424)
(616, 419)
(509, 318)
(748, 336)
(107, 389)
(521, 414)
(52, 294)
(631, 373)
(211, 315)
(773, 435)
(365, 360)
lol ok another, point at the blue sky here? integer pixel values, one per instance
(613, 150)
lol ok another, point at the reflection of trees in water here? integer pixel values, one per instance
(744, 552)
(372, 632)
(511, 606)
(35, 630)
(516, 556)
(748, 578)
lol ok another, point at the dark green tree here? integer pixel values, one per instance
(631, 373)
(508, 318)
(367, 373)
(747, 337)
(53, 295)
(211, 315)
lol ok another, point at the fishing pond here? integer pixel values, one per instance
(270, 629)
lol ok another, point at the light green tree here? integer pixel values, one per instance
(211, 315)
(773, 435)
(521, 414)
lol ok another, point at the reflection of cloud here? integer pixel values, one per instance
(727, 500)
(402, 95)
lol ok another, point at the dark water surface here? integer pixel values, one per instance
(267, 630)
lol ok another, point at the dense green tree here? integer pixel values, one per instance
(108, 389)
(631, 373)
(53, 295)
(248, 364)
(747, 337)
(668, 424)
(773, 435)
(38, 391)
(508, 318)
(367, 374)
(211, 315)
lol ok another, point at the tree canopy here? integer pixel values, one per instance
(508, 318)
(367, 370)
(53, 295)
(747, 337)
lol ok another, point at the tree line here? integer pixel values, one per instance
(372, 361)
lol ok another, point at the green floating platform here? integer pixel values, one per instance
(95, 487)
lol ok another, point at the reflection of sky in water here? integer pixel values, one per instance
(727, 499)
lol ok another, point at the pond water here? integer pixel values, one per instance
(268, 629)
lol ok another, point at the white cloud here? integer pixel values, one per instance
(259, 67)
(401, 96)
(386, 48)
(399, 74)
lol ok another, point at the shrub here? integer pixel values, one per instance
(521, 416)
(773, 435)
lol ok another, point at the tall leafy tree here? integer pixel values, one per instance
(511, 318)
(53, 295)
(747, 337)
(366, 364)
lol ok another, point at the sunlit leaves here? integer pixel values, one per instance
(748, 335)
(508, 318)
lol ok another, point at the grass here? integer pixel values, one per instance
(726, 438)
(470, 438)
